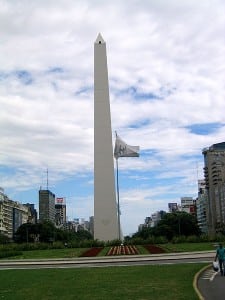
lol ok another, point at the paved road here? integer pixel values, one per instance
(211, 285)
(173, 258)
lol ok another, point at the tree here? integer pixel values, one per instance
(4, 239)
(47, 231)
(83, 235)
(144, 233)
(180, 223)
(27, 233)
(163, 230)
(171, 224)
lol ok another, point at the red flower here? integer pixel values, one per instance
(153, 249)
(122, 250)
(92, 252)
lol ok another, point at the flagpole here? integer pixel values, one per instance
(122, 150)
(118, 197)
(118, 194)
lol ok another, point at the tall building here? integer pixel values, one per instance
(153, 220)
(46, 206)
(106, 226)
(214, 172)
(173, 207)
(60, 211)
(32, 213)
(188, 205)
(12, 215)
(201, 204)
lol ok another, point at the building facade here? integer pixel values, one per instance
(46, 206)
(188, 205)
(214, 172)
(201, 205)
(32, 213)
(173, 207)
(60, 211)
(12, 215)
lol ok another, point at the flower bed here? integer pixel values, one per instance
(92, 252)
(122, 250)
(153, 249)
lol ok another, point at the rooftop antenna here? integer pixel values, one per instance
(47, 178)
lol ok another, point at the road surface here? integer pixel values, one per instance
(171, 258)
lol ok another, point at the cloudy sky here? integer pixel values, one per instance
(166, 63)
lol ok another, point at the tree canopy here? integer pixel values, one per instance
(171, 225)
(47, 232)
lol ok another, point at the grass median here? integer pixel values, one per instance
(76, 252)
(128, 283)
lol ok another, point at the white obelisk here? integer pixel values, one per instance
(105, 207)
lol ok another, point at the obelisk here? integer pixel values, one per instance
(105, 207)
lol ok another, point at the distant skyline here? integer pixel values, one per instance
(166, 64)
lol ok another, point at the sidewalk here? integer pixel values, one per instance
(210, 285)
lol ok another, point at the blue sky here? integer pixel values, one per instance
(166, 64)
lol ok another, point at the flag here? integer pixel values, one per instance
(123, 150)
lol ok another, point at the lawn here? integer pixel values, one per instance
(76, 252)
(189, 247)
(156, 282)
(51, 253)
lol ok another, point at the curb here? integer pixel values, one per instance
(196, 280)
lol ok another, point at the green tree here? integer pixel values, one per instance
(171, 225)
(83, 235)
(180, 223)
(47, 231)
(144, 234)
(27, 233)
(4, 239)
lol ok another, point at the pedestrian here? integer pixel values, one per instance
(220, 255)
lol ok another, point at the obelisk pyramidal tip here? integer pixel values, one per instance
(105, 207)
(99, 39)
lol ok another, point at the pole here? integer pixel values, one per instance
(118, 197)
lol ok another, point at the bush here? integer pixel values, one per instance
(204, 238)
(161, 240)
(135, 241)
(113, 243)
(5, 254)
(4, 239)
(178, 239)
(192, 239)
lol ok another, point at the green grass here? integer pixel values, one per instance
(75, 252)
(51, 253)
(189, 247)
(125, 283)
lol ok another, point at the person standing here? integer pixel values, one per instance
(220, 255)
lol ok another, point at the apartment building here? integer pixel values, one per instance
(46, 206)
(60, 211)
(201, 206)
(12, 215)
(214, 172)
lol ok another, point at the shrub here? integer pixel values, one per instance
(192, 239)
(178, 239)
(160, 240)
(5, 254)
(113, 243)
